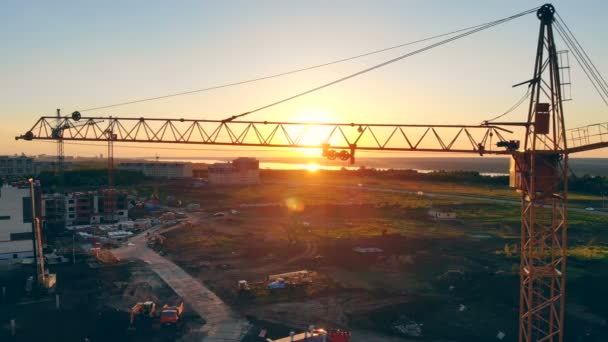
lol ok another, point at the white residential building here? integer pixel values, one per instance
(16, 237)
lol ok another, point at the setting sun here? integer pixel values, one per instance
(312, 167)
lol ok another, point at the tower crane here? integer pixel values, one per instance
(57, 134)
(539, 148)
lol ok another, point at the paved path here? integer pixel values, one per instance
(222, 324)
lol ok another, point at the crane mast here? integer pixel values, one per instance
(542, 179)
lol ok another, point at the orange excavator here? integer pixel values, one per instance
(146, 309)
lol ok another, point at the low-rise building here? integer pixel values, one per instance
(240, 171)
(160, 169)
(16, 217)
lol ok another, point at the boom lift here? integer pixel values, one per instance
(540, 147)
(45, 281)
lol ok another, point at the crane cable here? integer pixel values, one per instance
(511, 109)
(377, 66)
(594, 76)
(560, 20)
(317, 66)
(261, 78)
(591, 70)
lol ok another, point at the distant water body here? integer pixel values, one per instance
(485, 166)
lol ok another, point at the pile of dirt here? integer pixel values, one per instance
(105, 256)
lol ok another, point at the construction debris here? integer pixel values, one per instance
(367, 250)
(408, 327)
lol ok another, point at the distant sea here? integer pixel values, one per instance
(491, 166)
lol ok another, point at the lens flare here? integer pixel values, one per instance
(294, 204)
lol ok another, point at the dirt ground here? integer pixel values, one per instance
(348, 286)
(445, 283)
(94, 305)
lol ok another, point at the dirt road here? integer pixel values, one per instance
(222, 324)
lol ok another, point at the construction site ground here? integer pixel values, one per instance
(94, 304)
(435, 279)
(382, 268)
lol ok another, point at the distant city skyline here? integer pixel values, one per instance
(72, 56)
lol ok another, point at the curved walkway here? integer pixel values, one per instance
(222, 324)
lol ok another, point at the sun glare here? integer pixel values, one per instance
(312, 167)
(314, 135)
(310, 152)
(313, 115)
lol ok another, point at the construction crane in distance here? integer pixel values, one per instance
(539, 146)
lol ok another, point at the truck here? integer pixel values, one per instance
(170, 314)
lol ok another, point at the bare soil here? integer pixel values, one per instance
(95, 303)
(418, 277)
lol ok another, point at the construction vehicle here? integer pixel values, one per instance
(243, 286)
(170, 314)
(45, 281)
(338, 336)
(143, 309)
(317, 335)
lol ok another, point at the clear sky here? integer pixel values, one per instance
(79, 54)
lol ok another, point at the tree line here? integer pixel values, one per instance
(90, 178)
